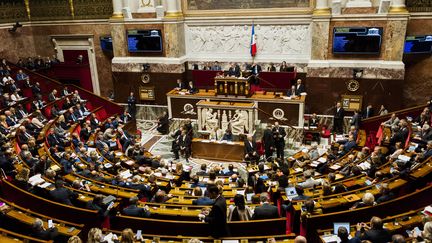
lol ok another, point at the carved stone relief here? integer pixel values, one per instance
(279, 40)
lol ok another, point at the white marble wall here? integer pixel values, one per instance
(232, 42)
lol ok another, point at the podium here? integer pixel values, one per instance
(231, 86)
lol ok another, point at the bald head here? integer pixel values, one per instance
(300, 239)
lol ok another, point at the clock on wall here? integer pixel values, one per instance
(145, 78)
(353, 85)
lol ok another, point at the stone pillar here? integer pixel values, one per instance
(398, 6)
(117, 9)
(173, 9)
(321, 8)
(320, 37)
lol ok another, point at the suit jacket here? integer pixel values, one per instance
(48, 234)
(51, 97)
(202, 201)
(268, 139)
(85, 134)
(250, 148)
(368, 112)
(135, 211)
(53, 140)
(217, 218)
(192, 90)
(276, 132)
(375, 236)
(36, 90)
(234, 71)
(256, 69)
(62, 195)
(299, 89)
(339, 114)
(349, 145)
(266, 211)
(355, 120)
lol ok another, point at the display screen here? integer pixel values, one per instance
(357, 40)
(106, 43)
(418, 44)
(144, 41)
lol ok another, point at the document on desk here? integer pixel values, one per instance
(331, 238)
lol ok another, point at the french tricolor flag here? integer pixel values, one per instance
(253, 50)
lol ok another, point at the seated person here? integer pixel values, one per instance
(202, 200)
(292, 92)
(180, 85)
(62, 195)
(314, 120)
(192, 89)
(39, 232)
(266, 210)
(134, 210)
(228, 136)
(309, 180)
(343, 235)
(368, 199)
(300, 194)
(376, 233)
(250, 149)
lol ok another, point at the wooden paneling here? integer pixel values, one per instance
(125, 82)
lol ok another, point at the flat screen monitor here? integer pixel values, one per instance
(106, 43)
(418, 44)
(144, 40)
(336, 226)
(357, 40)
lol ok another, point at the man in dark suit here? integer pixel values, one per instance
(299, 88)
(217, 218)
(180, 85)
(192, 89)
(62, 195)
(356, 119)
(279, 140)
(343, 235)
(39, 232)
(368, 112)
(134, 210)
(85, 132)
(131, 105)
(234, 70)
(52, 96)
(376, 233)
(185, 145)
(338, 118)
(163, 123)
(36, 90)
(250, 150)
(266, 210)
(255, 68)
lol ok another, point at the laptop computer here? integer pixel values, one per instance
(336, 226)
(291, 192)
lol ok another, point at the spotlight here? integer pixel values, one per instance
(357, 73)
(146, 67)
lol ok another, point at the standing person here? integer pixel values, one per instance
(279, 140)
(338, 118)
(217, 218)
(268, 142)
(131, 105)
(185, 145)
(163, 123)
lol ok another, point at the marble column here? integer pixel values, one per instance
(398, 6)
(174, 40)
(321, 8)
(394, 38)
(320, 37)
(173, 9)
(117, 9)
(118, 31)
